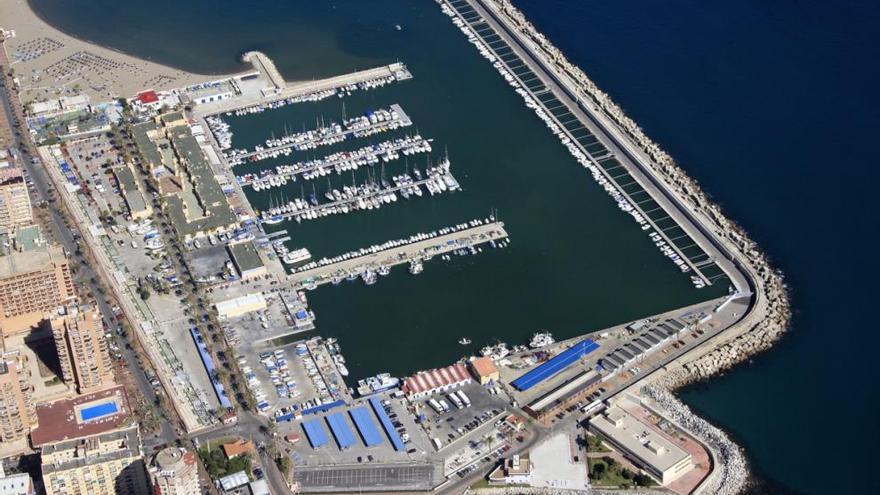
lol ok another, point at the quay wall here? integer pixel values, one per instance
(769, 313)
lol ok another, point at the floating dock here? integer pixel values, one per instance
(375, 198)
(339, 162)
(402, 120)
(419, 250)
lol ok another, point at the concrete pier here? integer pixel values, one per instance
(282, 90)
(419, 250)
(266, 66)
(556, 95)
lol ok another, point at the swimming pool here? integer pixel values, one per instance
(97, 411)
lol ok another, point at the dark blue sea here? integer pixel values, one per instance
(771, 105)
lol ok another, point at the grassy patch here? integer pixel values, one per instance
(218, 465)
(55, 380)
(608, 472)
(594, 444)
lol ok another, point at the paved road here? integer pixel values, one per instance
(65, 237)
(252, 426)
(249, 425)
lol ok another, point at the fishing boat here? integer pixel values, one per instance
(541, 339)
(296, 256)
(416, 267)
(464, 341)
(376, 384)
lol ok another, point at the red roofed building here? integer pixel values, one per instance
(148, 97)
(237, 448)
(425, 383)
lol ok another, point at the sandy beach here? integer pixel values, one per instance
(50, 64)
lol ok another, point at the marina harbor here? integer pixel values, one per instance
(421, 252)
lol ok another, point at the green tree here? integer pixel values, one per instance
(643, 480)
(284, 465)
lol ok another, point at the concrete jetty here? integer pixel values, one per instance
(555, 98)
(283, 90)
(266, 66)
(420, 250)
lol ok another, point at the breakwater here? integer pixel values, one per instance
(769, 314)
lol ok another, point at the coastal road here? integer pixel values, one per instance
(64, 235)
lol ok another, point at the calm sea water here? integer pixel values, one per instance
(771, 105)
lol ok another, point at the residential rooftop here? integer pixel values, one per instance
(58, 421)
(30, 261)
(129, 442)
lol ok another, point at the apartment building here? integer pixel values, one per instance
(82, 349)
(17, 411)
(33, 283)
(105, 464)
(174, 471)
(15, 202)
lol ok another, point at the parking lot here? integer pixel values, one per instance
(254, 330)
(460, 424)
(92, 158)
(416, 446)
(209, 262)
(276, 376)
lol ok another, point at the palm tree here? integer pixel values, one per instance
(488, 441)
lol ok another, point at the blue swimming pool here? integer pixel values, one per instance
(97, 411)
